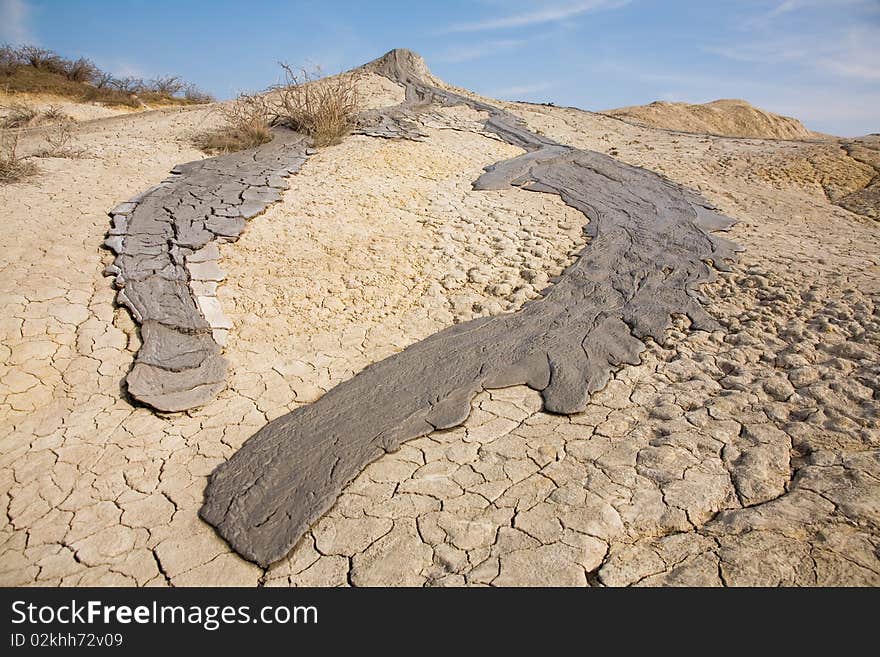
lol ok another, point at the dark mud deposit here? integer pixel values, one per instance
(166, 265)
(649, 251)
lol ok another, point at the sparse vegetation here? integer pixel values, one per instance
(9, 60)
(246, 124)
(38, 70)
(195, 95)
(24, 115)
(170, 85)
(19, 115)
(320, 108)
(60, 141)
(53, 113)
(81, 70)
(41, 59)
(13, 166)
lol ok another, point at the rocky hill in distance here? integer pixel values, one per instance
(726, 117)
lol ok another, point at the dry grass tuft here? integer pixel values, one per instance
(22, 115)
(247, 124)
(322, 108)
(60, 141)
(19, 115)
(53, 113)
(13, 166)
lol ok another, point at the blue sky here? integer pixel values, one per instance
(817, 60)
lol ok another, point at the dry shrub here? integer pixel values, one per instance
(247, 124)
(13, 167)
(60, 141)
(193, 94)
(81, 70)
(20, 115)
(53, 113)
(322, 108)
(129, 85)
(103, 80)
(9, 60)
(169, 85)
(42, 58)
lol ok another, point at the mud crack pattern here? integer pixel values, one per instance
(650, 241)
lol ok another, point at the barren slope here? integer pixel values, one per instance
(746, 455)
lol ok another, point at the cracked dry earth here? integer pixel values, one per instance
(746, 456)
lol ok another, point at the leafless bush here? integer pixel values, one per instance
(54, 113)
(104, 80)
(129, 85)
(81, 70)
(247, 124)
(13, 167)
(19, 115)
(60, 141)
(169, 85)
(9, 60)
(322, 108)
(41, 58)
(195, 95)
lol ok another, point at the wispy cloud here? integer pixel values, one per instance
(784, 8)
(537, 17)
(857, 55)
(479, 51)
(520, 91)
(13, 21)
(768, 20)
(852, 53)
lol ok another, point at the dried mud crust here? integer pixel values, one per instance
(165, 240)
(650, 239)
(98, 492)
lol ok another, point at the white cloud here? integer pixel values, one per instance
(479, 51)
(13, 22)
(539, 16)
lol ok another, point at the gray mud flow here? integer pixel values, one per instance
(166, 265)
(651, 242)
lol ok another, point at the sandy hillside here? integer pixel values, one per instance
(731, 118)
(743, 456)
(77, 111)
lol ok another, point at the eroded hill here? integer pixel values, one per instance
(731, 118)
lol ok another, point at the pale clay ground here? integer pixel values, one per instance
(745, 456)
